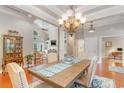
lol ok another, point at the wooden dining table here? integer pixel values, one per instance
(66, 77)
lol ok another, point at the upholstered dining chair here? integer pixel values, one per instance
(19, 80)
(86, 79)
(52, 57)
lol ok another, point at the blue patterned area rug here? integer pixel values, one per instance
(116, 69)
(101, 82)
(115, 60)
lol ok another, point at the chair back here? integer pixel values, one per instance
(17, 76)
(52, 57)
(92, 69)
(38, 54)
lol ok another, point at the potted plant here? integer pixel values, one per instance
(29, 59)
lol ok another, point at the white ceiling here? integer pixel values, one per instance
(100, 14)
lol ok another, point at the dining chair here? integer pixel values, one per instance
(38, 57)
(18, 78)
(52, 57)
(86, 79)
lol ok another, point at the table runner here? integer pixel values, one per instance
(50, 71)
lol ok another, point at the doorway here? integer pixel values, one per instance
(111, 48)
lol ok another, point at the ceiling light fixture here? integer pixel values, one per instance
(71, 20)
(91, 27)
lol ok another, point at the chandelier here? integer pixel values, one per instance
(71, 20)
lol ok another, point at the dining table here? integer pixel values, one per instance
(63, 77)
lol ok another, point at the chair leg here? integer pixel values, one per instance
(78, 84)
(75, 85)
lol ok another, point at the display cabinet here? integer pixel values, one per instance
(12, 50)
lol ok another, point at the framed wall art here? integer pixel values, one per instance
(108, 44)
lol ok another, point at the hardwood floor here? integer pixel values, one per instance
(102, 70)
(6, 83)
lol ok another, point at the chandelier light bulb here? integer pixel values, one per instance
(83, 20)
(72, 20)
(69, 12)
(91, 30)
(78, 15)
(64, 17)
(60, 21)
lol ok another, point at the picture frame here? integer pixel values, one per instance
(108, 44)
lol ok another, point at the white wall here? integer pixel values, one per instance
(80, 48)
(61, 45)
(20, 24)
(71, 45)
(116, 43)
(91, 47)
(108, 30)
(80, 44)
(53, 35)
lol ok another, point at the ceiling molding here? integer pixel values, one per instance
(49, 12)
(102, 7)
(105, 13)
(54, 9)
(63, 8)
(85, 8)
(10, 11)
(38, 12)
(101, 14)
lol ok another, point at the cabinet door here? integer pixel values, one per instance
(9, 45)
